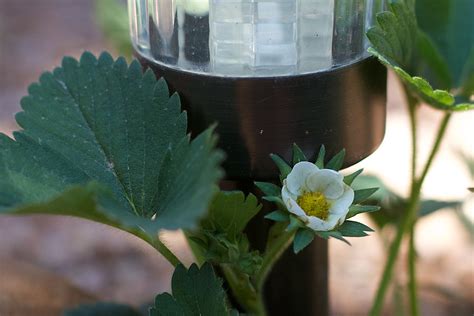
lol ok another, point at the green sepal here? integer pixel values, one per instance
(298, 154)
(337, 161)
(269, 189)
(354, 229)
(278, 216)
(294, 223)
(277, 200)
(284, 168)
(351, 177)
(321, 155)
(334, 234)
(358, 209)
(303, 238)
(363, 194)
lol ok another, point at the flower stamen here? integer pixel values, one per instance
(314, 204)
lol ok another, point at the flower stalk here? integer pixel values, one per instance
(244, 292)
(275, 250)
(409, 219)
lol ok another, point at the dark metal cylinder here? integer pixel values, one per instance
(340, 108)
(344, 107)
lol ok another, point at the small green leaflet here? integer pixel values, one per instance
(195, 292)
(102, 309)
(103, 141)
(221, 237)
(418, 57)
(230, 212)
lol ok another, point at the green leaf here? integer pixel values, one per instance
(321, 155)
(432, 64)
(269, 189)
(99, 120)
(102, 309)
(428, 207)
(394, 36)
(467, 85)
(298, 155)
(363, 194)
(284, 168)
(337, 161)
(302, 239)
(278, 216)
(450, 25)
(422, 61)
(354, 229)
(358, 209)
(230, 213)
(112, 18)
(350, 178)
(436, 98)
(195, 292)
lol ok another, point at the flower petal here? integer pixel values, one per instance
(296, 180)
(291, 204)
(340, 207)
(318, 224)
(326, 181)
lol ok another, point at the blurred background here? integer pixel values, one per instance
(48, 263)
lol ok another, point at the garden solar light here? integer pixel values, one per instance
(271, 73)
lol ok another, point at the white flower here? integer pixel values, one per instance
(318, 197)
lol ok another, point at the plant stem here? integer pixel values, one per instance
(275, 248)
(412, 107)
(408, 220)
(166, 252)
(439, 138)
(412, 103)
(243, 291)
(414, 308)
(160, 246)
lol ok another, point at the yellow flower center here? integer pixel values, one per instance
(314, 204)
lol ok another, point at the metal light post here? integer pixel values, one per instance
(271, 73)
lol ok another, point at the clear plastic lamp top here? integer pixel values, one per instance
(252, 38)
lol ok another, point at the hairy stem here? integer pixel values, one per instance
(412, 287)
(412, 108)
(243, 291)
(160, 247)
(412, 103)
(408, 220)
(275, 248)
